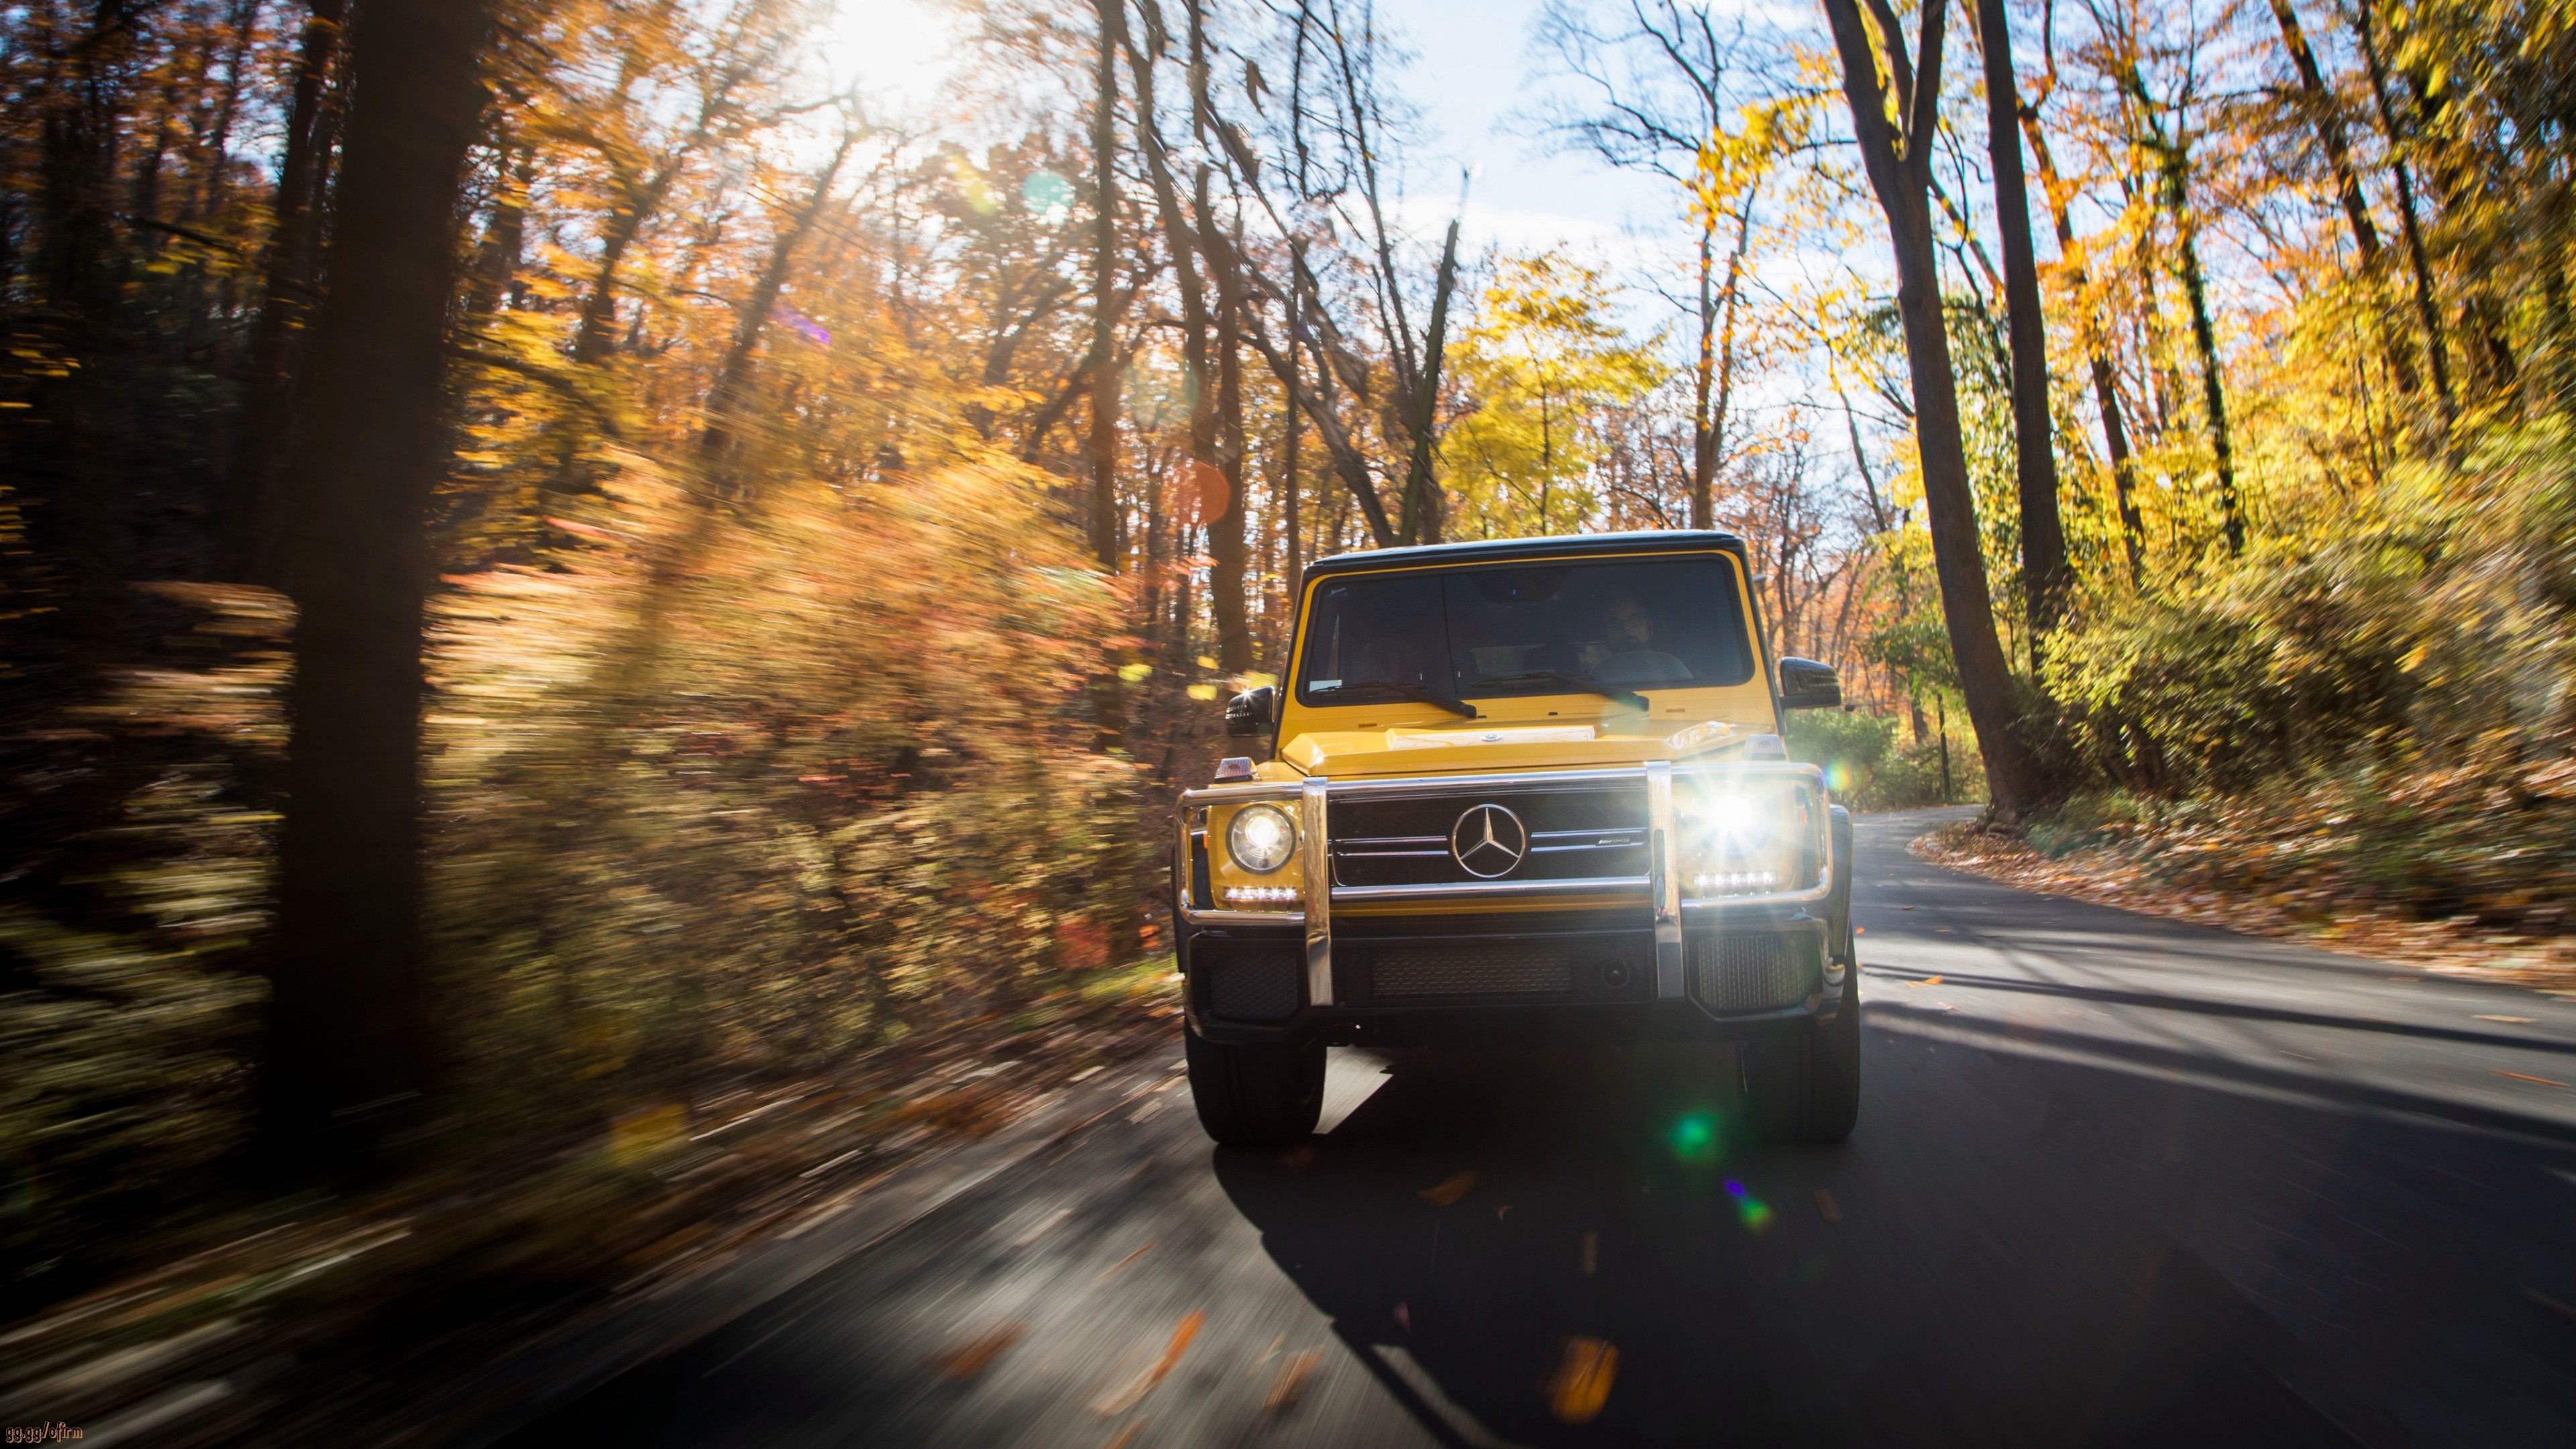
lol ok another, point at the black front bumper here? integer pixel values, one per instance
(1507, 976)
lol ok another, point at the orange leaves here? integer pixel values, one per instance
(1449, 1190)
(1581, 1384)
(1291, 1382)
(1127, 1395)
(973, 1356)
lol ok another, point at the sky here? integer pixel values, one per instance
(1469, 78)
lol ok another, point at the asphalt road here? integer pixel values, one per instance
(2117, 1181)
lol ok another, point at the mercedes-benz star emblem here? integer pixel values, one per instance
(1488, 841)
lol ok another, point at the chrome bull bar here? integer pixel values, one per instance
(1659, 890)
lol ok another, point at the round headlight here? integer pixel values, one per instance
(1735, 821)
(1261, 838)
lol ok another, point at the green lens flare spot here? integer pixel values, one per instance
(1755, 1213)
(1694, 1137)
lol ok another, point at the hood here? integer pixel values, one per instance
(1469, 748)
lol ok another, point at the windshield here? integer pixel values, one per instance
(1613, 627)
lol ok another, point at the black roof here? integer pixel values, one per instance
(1513, 550)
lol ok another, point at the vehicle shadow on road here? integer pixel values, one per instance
(1477, 1230)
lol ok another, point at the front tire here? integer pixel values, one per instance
(1804, 1085)
(1269, 1095)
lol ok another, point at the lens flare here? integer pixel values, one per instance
(1755, 1213)
(1694, 1137)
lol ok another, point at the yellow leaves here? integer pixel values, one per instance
(1730, 167)
(1136, 673)
(647, 1132)
(1202, 691)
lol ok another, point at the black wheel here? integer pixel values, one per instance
(1804, 1085)
(1255, 1096)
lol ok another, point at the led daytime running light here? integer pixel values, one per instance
(1734, 881)
(1263, 895)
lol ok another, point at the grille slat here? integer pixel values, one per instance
(1765, 972)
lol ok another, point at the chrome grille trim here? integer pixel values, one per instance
(1312, 794)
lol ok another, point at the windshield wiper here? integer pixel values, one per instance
(1404, 690)
(1583, 682)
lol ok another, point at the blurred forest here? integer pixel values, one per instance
(556, 556)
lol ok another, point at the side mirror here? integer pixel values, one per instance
(1805, 684)
(1252, 711)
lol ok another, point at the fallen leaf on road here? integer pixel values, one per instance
(976, 1354)
(1926, 981)
(1291, 1381)
(1121, 1264)
(2516, 1020)
(1945, 1006)
(1127, 1436)
(1860, 930)
(1445, 1193)
(1582, 1382)
(2520, 1077)
(1825, 1204)
(1126, 1396)
(1905, 908)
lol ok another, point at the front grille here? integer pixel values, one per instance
(1497, 969)
(1733, 972)
(1250, 985)
(1573, 834)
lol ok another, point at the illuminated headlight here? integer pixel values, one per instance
(1261, 838)
(1262, 897)
(1743, 837)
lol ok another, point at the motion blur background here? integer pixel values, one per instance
(863, 445)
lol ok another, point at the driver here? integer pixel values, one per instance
(1628, 626)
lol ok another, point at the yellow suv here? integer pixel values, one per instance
(1525, 789)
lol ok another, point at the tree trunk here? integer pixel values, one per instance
(2428, 310)
(2045, 579)
(1290, 426)
(1108, 707)
(2213, 391)
(1226, 578)
(1899, 164)
(252, 522)
(349, 1026)
(2173, 192)
(1729, 301)
(732, 390)
(2106, 382)
(1703, 483)
(1421, 507)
